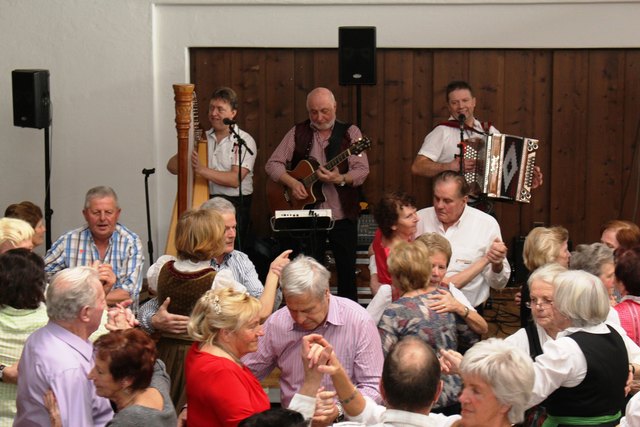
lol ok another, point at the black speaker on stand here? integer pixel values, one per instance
(32, 109)
(357, 60)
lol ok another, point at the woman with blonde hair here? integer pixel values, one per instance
(31, 213)
(543, 245)
(15, 233)
(221, 390)
(453, 301)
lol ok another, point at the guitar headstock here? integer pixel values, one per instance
(360, 145)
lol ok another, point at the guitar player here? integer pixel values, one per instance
(321, 138)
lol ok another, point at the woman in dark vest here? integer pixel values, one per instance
(532, 338)
(583, 372)
(199, 238)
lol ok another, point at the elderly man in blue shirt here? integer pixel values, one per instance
(103, 243)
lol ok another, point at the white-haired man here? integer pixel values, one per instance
(59, 356)
(312, 309)
(154, 316)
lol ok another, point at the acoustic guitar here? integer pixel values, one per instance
(279, 195)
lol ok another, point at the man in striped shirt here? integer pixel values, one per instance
(154, 316)
(114, 250)
(312, 309)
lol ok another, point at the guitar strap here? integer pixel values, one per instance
(335, 140)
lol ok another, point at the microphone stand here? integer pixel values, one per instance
(146, 173)
(239, 143)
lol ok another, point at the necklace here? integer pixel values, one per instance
(229, 353)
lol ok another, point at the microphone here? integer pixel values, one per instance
(230, 122)
(461, 119)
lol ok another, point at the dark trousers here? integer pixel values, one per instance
(243, 217)
(342, 240)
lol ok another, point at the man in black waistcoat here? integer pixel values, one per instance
(322, 138)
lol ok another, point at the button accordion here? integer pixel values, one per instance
(503, 168)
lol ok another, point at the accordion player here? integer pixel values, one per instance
(504, 166)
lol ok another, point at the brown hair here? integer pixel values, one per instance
(25, 211)
(130, 353)
(386, 212)
(199, 235)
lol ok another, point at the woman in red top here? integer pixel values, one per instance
(397, 220)
(628, 274)
(221, 391)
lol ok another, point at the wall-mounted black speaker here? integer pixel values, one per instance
(31, 103)
(357, 55)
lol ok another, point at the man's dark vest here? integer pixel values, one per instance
(602, 390)
(338, 142)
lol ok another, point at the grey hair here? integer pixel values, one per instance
(219, 205)
(581, 297)
(304, 275)
(547, 273)
(100, 192)
(71, 290)
(591, 258)
(507, 370)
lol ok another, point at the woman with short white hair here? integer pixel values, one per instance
(498, 379)
(582, 374)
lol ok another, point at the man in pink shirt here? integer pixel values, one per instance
(59, 356)
(312, 309)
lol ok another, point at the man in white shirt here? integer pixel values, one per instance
(410, 385)
(473, 234)
(440, 146)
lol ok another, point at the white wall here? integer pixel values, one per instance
(112, 63)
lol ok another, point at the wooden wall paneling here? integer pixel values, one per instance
(423, 96)
(448, 65)
(604, 151)
(326, 74)
(278, 108)
(249, 82)
(373, 125)
(487, 76)
(538, 210)
(212, 69)
(304, 78)
(518, 114)
(631, 145)
(569, 141)
(398, 83)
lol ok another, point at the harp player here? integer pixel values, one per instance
(223, 166)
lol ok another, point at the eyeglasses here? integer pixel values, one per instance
(543, 303)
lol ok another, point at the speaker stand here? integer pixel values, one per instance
(47, 185)
(359, 106)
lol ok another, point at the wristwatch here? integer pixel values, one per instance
(344, 181)
(340, 416)
(2, 372)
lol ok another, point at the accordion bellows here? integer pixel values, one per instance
(504, 166)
